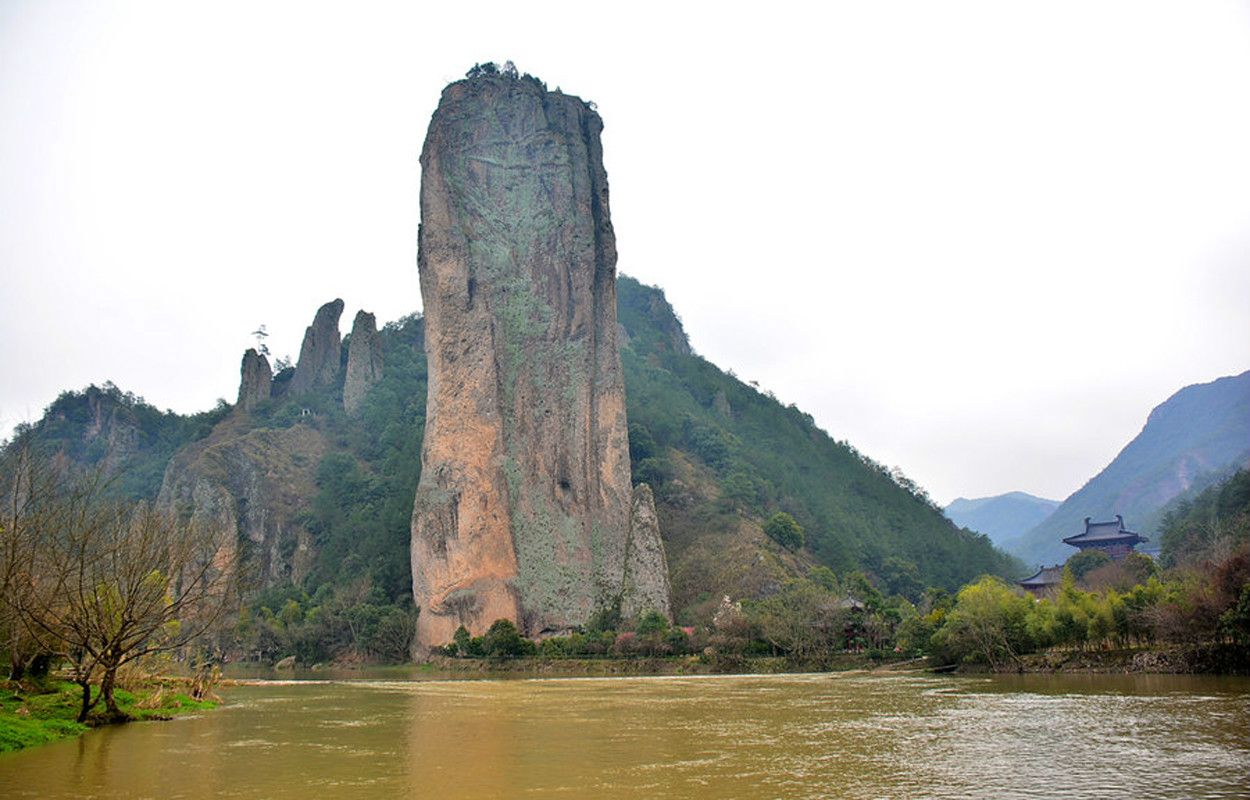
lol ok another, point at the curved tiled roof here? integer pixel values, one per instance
(1046, 576)
(1105, 533)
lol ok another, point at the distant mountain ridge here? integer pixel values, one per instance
(1000, 517)
(1200, 432)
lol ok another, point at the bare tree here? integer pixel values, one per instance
(104, 583)
(32, 492)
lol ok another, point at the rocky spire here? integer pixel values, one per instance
(523, 507)
(364, 361)
(319, 355)
(646, 567)
(257, 377)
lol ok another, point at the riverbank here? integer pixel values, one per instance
(1211, 660)
(684, 665)
(438, 667)
(32, 716)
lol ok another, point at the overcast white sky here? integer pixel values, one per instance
(979, 240)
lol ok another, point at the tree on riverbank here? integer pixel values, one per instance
(100, 583)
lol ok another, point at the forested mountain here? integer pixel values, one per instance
(1191, 440)
(722, 455)
(1208, 526)
(324, 498)
(1001, 517)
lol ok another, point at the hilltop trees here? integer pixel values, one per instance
(784, 530)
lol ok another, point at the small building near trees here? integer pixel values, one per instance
(1043, 582)
(1111, 538)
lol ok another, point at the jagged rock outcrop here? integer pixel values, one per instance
(253, 487)
(646, 567)
(256, 380)
(321, 352)
(364, 361)
(523, 506)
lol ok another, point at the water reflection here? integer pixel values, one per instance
(764, 736)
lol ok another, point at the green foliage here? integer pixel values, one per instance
(989, 623)
(604, 619)
(651, 622)
(642, 444)
(1235, 622)
(104, 426)
(362, 513)
(993, 624)
(803, 620)
(331, 624)
(901, 577)
(783, 530)
(856, 513)
(462, 643)
(823, 577)
(1086, 561)
(503, 640)
(1217, 519)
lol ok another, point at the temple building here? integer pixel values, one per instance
(1044, 582)
(1111, 538)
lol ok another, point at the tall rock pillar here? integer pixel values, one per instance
(255, 380)
(523, 507)
(364, 362)
(320, 353)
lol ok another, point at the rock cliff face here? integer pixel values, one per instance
(321, 352)
(524, 503)
(364, 362)
(256, 380)
(252, 486)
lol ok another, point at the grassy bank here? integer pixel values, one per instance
(31, 716)
(1176, 660)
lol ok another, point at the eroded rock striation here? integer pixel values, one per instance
(256, 379)
(523, 510)
(364, 361)
(321, 352)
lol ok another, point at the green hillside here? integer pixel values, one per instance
(722, 456)
(767, 457)
(1207, 526)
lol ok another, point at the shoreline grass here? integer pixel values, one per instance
(34, 715)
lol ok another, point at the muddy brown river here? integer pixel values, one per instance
(849, 735)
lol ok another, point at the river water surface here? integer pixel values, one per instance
(791, 736)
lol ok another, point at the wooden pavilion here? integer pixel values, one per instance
(1111, 538)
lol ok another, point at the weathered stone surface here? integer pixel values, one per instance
(364, 361)
(646, 567)
(321, 352)
(256, 379)
(523, 507)
(253, 487)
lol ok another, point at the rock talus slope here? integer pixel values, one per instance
(523, 510)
